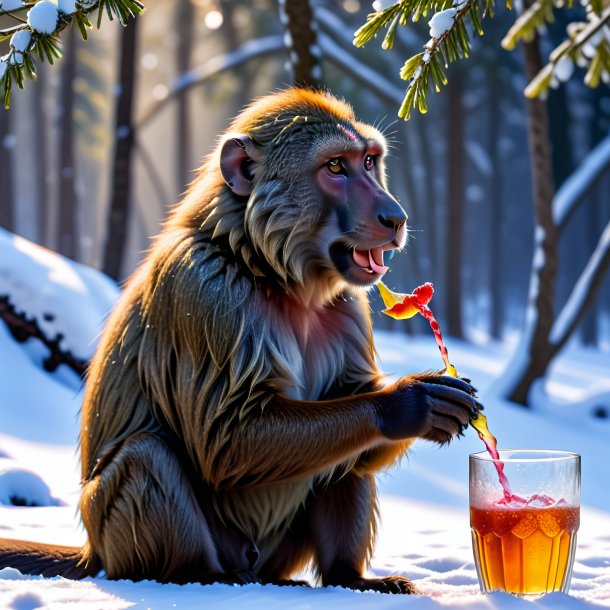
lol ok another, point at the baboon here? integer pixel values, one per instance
(234, 415)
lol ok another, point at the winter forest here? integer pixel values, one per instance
(507, 196)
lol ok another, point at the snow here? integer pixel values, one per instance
(19, 484)
(578, 184)
(591, 275)
(479, 157)
(424, 530)
(382, 5)
(442, 22)
(67, 7)
(42, 17)
(20, 41)
(63, 296)
(16, 58)
(564, 69)
(10, 5)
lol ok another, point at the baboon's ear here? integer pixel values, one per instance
(236, 157)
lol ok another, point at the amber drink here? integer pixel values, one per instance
(524, 541)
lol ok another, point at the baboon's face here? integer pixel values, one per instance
(316, 206)
(365, 222)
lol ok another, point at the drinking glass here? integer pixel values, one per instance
(524, 537)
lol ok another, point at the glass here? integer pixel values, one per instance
(524, 543)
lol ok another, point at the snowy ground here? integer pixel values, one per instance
(424, 504)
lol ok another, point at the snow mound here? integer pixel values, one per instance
(23, 487)
(65, 298)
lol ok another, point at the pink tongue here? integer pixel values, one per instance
(375, 266)
(361, 258)
(370, 260)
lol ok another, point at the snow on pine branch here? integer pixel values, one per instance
(587, 45)
(37, 28)
(449, 40)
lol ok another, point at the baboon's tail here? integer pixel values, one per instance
(44, 559)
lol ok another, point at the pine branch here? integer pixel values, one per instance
(528, 23)
(449, 41)
(38, 35)
(23, 328)
(588, 45)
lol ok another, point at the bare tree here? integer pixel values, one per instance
(42, 162)
(301, 40)
(535, 351)
(456, 205)
(118, 217)
(185, 22)
(67, 226)
(497, 308)
(7, 215)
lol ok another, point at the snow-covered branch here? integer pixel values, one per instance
(23, 328)
(582, 180)
(37, 32)
(582, 293)
(215, 66)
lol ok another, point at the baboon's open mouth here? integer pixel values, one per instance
(370, 261)
(361, 266)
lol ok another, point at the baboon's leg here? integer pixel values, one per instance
(343, 524)
(292, 555)
(143, 520)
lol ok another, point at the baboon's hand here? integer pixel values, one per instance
(432, 406)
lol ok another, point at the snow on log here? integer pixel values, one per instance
(583, 292)
(580, 182)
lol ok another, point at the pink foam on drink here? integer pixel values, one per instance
(534, 501)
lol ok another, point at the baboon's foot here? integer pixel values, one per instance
(286, 582)
(388, 584)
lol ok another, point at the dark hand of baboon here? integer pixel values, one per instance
(431, 406)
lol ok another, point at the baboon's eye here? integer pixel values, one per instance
(335, 166)
(369, 162)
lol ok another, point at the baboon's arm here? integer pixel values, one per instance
(290, 438)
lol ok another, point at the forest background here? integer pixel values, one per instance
(155, 96)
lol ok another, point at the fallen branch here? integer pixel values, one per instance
(23, 328)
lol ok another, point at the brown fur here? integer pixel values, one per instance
(234, 414)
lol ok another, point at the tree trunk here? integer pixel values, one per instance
(428, 222)
(594, 216)
(537, 350)
(67, 223)
(121, 168)
(185, 22)
(301, 40)
(455, 213)
(7, 215)
(496, 201)
(233, 40)
(42, 161)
